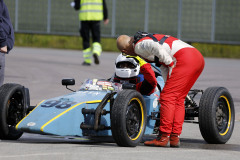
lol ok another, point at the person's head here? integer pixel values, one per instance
(126, 67)
(125, 45)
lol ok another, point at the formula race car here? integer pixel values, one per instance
(104, 108)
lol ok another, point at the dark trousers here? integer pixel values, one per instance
(2, 67)
(88, 27)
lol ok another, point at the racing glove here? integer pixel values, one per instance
(138, 59)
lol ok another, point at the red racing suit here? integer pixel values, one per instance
(188, 64)
(149, 83)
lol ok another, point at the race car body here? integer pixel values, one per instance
(70, 115)
(105, 108)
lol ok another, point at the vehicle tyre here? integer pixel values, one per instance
(128, 118)
(12, 110)
(216, 115)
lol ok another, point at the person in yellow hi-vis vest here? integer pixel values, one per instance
(92, 12)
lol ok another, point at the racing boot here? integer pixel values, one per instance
(161, 141)
(87, 55)
(97, 50)
(174, 140)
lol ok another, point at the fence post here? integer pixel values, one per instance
(16, 15)
(146, 15)
(179, 30)
(113, 31)
(49, 17)
(213, 20)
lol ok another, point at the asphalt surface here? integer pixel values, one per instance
(41, 70)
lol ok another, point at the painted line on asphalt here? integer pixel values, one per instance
(111, 152)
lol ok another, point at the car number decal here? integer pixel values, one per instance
(58, 104)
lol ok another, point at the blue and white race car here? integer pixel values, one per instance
(104, 108)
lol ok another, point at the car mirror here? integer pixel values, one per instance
(68, 82)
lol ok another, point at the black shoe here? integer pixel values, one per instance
(86, 64)
(96, 58)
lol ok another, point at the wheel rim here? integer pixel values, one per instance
(223, 115)
(134, 119)
(15, 110)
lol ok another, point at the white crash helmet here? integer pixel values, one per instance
(126, 67)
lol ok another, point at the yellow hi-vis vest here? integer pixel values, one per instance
(91, 10)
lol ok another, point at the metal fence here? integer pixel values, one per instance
(214, 21)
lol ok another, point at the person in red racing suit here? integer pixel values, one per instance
(181, 65)
(133, 69)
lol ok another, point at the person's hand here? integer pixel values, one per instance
(170, 70)
(170, 67)
(3, 49)
(138, 59)
(106, 21)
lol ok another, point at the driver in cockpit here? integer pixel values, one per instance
(133, 69)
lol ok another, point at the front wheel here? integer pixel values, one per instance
(216, 115)
(13, 108)
(128, 118)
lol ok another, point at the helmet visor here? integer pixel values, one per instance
(125, 65)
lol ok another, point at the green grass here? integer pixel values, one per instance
(61, 42)
(48, 41)
(109, 44)
(218, 50)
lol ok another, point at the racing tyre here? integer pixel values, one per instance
(216, 115)
(12, 110)
(128, 118)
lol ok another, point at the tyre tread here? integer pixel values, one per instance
(207, 122)
(5, 91)
(117, 121)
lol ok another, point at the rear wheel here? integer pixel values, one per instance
(216, 115)
(12, 110)
(128, 118)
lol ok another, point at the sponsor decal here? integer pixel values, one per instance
(155, 103)
(31, 124)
